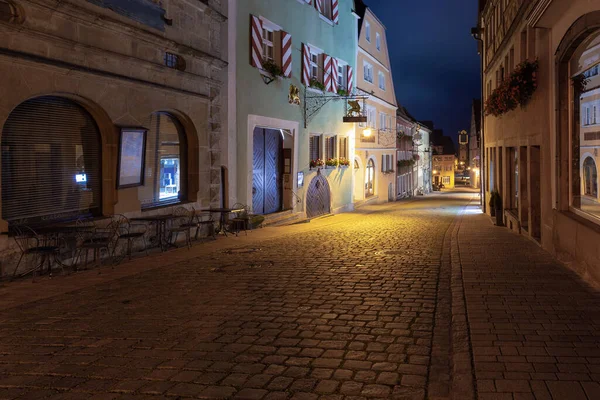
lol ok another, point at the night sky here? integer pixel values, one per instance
(434, 58)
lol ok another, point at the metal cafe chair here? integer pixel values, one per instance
(125, 230)
(95, 239)
(205, 219)
(241, 218)
(182, 222)
(32, 244)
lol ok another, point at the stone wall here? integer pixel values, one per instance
(114, 66)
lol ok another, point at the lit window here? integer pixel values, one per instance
(378, 41)
(446, 180)
(368, 72)
(267, 36)
(341, 77)
(368, 31)
(165, 155)
(381, 81)
(314, 66)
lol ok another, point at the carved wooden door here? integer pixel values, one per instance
(318, 197)
(267, 175)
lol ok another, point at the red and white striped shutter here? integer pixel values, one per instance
(305, 65)
(335, 10)
(327, 72)
(286, 54)
(334, 75)
(319, 5)
(256, 55)
(350, 79)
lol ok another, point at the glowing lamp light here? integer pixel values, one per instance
(435, 171)
(367, 132)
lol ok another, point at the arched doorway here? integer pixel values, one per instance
(590, 177)
(318, 197)
(370, 178)
(51, 162)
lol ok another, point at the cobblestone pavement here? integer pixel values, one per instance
(371, 304)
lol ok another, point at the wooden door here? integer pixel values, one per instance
(318, 197)
(267, 171)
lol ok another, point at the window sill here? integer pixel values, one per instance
(166, 204)
(583, 218)
(315, 90)
(327, 20)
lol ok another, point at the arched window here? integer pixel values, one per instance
(370, 178)
(166, 166)
(586, 136)
(51, 162)
(590, 178)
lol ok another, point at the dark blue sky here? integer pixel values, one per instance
(434, 58)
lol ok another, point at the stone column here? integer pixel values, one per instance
(534, 189)
(523, 187)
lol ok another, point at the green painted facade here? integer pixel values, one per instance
(256, 100)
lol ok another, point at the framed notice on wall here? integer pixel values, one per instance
(132, 150)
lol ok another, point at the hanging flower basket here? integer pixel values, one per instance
(331, 162)
(343, 162)
(316, 163)
(516, 90)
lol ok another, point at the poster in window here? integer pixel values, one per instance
(132, 149)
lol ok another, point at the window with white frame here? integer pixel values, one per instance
(372, 117)
(378, 41)
(267, 43)
(341, 77)
(446, 180)
(368, 72)
(381, 80)
(314, 147)
(368, 31)
(330, 147)
(314, 65)
(387, 163)
(343, 150)
(383, 121)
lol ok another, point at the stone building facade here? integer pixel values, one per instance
(542, 157)
(284, 125)
(76, 74)
(375, 140)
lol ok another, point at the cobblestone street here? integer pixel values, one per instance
(396, 301)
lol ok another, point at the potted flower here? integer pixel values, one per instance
(272, 69)
(343, 162)
(516, 90)
(332, 162)
(342, 92)
(316, 163)
(316, 84)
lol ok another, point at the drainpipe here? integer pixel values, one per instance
(476, 33)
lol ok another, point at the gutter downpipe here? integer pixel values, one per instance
(476, 33)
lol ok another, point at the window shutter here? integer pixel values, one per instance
(305, 65)
(349, 79)
(382, 163)
(334, 75)
(256, 55)
(286, 54)
(51, 162)
(319, 5)
(335, 11)
(327, 72)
